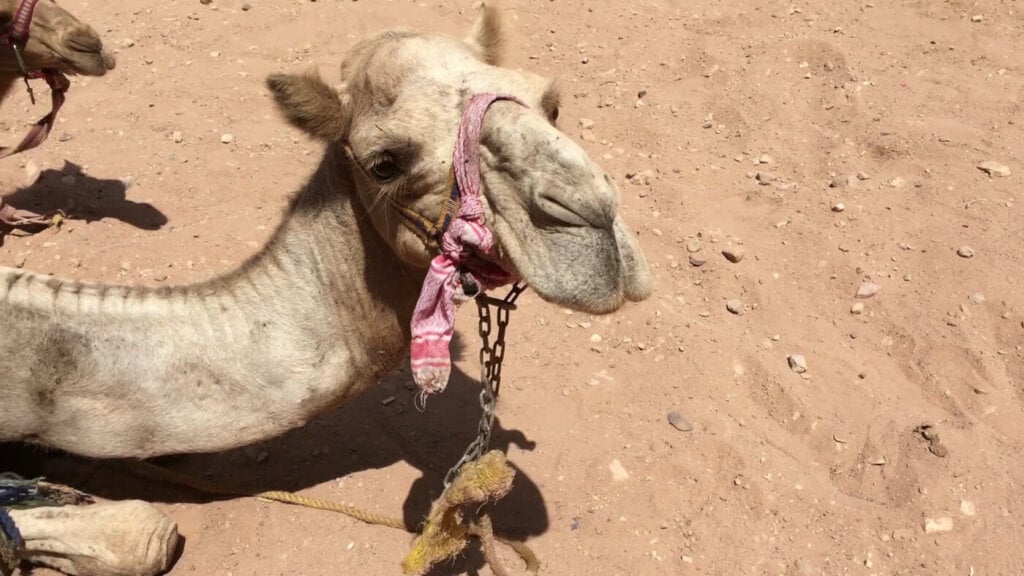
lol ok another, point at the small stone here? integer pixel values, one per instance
(205, 2)
(868, 289)
(765, 159)
(797, 363)
(977, 18)
(877, 460)
(733, 254)
(764, 178)
(944, 524)
(64, 137)
(31, 171)
(127, 43)
(857, 308)
(897, 182)
(227, 138)
(863, 176)
(596, 338)
(586, 124)
(642, 178)
(838, 207)
(977, 297)
(965, 252)
(967, 508)
(735, 306)
(126, 266)
(693, 246)
(246, 7)
(842, 181)
(697, 261)
(679, 422)
(619, 473)
(993, 168)
(177, 137)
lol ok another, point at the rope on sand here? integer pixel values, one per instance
(448, 527)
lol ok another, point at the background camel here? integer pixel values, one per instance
(324, 310)
(53, 42)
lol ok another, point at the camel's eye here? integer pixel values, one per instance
(384, 167)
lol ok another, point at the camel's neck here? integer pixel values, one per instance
(322, 312)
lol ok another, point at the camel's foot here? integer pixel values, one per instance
(17, 218)
(129, 538)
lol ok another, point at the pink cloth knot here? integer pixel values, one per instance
(467, 248)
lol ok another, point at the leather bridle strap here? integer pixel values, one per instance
(429, 231)
(41, 129)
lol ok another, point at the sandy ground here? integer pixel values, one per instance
(743, 125)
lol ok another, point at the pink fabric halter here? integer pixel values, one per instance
(466, 257)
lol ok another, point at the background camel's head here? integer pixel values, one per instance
(56, 41)
(552, 210)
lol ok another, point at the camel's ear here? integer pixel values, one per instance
(310, 104)
(485, 38)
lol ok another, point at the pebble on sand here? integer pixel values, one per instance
(857, 308)
(619, 473)
(679, 422)
(993, 168)
(797, 363)
(838, 207)
(965, 252)
(967, 508)
(735, 306)
(733, 254)
(227, 138)
(944, 524)
(868, 289)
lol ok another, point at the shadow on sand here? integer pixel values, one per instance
(85, 198)
(365, 434)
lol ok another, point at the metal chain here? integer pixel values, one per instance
(491, 358)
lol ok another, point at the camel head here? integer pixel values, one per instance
(396, 115)
(57, 41)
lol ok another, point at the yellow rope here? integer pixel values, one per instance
(351, 511)
(166, 475)
(485, 480)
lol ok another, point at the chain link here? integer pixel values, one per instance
(491, 358)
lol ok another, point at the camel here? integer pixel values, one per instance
(39, 39)
(326, 307)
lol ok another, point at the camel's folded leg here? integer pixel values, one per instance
(130, 538)
(12, 216)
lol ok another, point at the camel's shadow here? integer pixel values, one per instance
(371, 431)
(83, 197)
